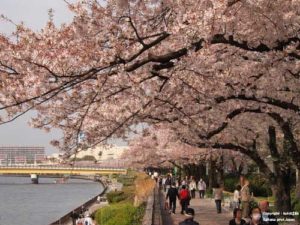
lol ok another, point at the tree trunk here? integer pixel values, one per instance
(281, 188)
(187, 170)
(281, 182)
(198, 170)
(298, 184)
(221, 171)
(201, 171)
(211, 174)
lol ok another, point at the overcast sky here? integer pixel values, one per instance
(34, 13)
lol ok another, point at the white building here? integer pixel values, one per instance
(102, 153)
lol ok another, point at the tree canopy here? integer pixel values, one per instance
(219, 74)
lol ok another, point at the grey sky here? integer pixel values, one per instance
(34, 13)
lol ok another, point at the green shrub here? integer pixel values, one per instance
(260, 186)
(120, 214)
(115, 196)
(253, 204)
(230, 183)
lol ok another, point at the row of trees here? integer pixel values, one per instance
(217, 74)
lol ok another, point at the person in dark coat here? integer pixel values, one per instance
(74, 217)
(189, 213)
(237, 217)
(172, 195)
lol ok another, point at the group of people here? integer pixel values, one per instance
(185, 190)
(184, 196)
(257, 216)
(82, 218)
(243, 213)
(190, 184)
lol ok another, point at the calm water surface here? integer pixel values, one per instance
(23, 203)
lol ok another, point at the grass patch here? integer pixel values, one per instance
(120, 214)
(116, 196)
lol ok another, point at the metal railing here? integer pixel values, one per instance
(55, 167)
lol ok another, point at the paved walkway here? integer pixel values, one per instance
(205, 213)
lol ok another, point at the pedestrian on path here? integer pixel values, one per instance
(218, 194)
(190, 213)
(184, 198)
(201, 188)
(237, 217)
(237, 197)
(192, 187)
(164, 183)
(88, 220)
(245, 197)
(74, 217)
(185, 181)
(255, 217)
(168, 183)
(160, 182)
(80, 220)
(172, 195)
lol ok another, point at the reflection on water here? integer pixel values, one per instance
(23, 203)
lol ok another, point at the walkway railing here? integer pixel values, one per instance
(59, 167)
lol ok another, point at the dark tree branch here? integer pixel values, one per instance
(281, 45)
(289, 136)
(250, 153)
(265, 99)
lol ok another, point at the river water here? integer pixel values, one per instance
(23, 203)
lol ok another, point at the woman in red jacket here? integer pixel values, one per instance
(184, 198)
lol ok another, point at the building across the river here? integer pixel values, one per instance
(11, 155)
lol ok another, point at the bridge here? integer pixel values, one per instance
(35, 171)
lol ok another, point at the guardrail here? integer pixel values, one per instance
(60, 167)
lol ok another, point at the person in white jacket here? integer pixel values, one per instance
(88, 220)
(201, 188)
(192, 187)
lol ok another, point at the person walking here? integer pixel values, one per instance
(172, 195)
(192, 187)
(164, 183)
(184, 198)
(185, 181)
(88, 220)
(190, 213)
(160, 182)
(245, 197)
(237, 217)
(80, 220)
(168, 183)
(201, 188)
(74, 217)
(237, 197)
(218, 194)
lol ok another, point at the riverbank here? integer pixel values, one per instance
(91, 206)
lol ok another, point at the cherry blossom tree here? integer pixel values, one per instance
(158, 146)
(220, 74)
